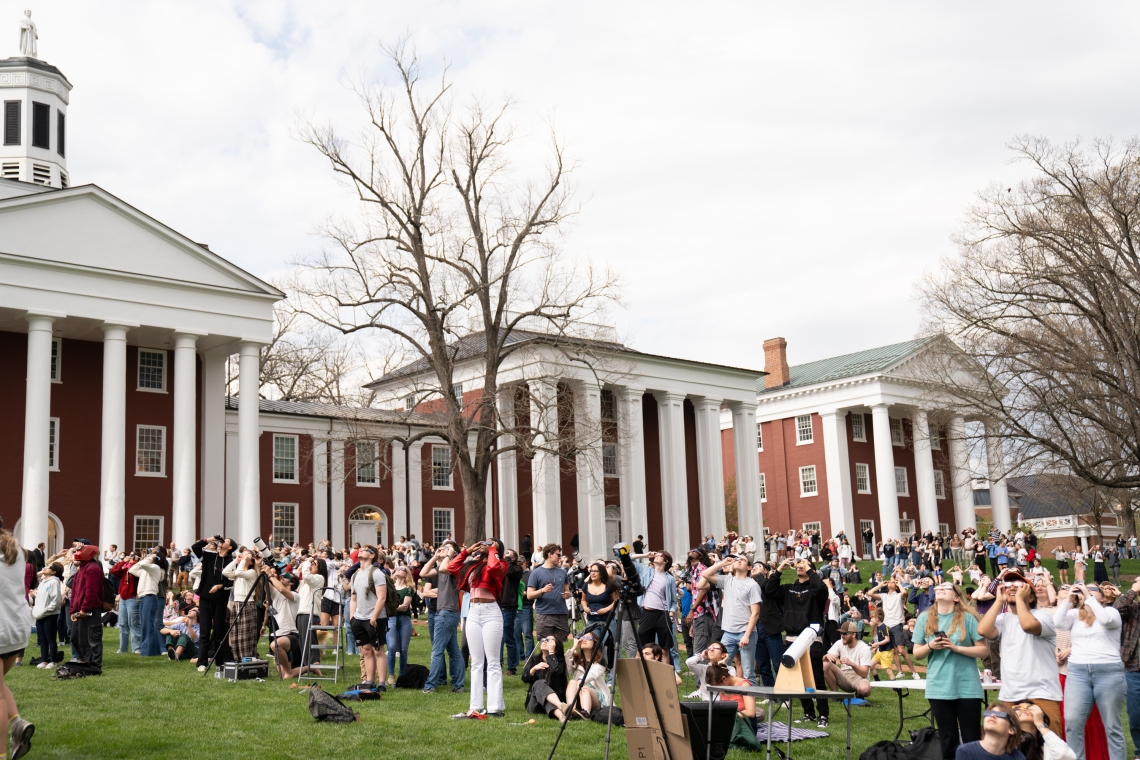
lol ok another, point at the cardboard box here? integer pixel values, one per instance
(643, 733)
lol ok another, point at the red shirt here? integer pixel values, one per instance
(128, 584)
(87, 587)
(492, 576)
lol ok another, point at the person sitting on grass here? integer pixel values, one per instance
(654, 652)
(181, 635)
(848, 663)
(745, 728)
(545, 672)
(595, 692)
(698, 665)
(1038, 740)
(883, 657)
(1001, 736)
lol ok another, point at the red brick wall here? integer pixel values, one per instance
(78, 402)
(649, 421)
(440, 498)
(692, 485)
(864, 506)
(780, 462)
(13, 383)
(379, 496)
(145, 495)
(299, 493)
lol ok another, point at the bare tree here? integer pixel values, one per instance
(1043, 297)
(454, 255)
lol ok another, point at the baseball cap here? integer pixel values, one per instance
(848, 627)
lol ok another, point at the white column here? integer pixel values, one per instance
(999, 495)
(320, 474)
(631, 451)
(924, 472)
(748, 515)
(249, 473)
(213, 414)
(964, 515)
(416, 495)
(674, 480)
(545, 495)
(885, 473)
(400, 506)
(710, 466)
(337, 533)
(835, 456)
(183, 523)
(113, 467)
(37, 415)
(507, 470)
(591, 480)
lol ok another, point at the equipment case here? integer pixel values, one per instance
(245, 671)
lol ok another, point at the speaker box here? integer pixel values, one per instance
(723, 719)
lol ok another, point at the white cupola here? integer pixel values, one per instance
(33, 122)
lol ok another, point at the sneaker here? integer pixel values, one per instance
(470, 715)
(382, 687)
(495, 715)
(201, 668)
(429, 690)
(916, 677)
(170, 653)
(822, 721)
(694, 695)
(805, 719)
(510, 673)
(456, 689)
(20, 736)
(761, 701)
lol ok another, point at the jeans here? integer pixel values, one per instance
(1103, 684)
(399, 637)
(524, 624)
(484, 631)
(1132, 679)
(150, 612)
(510, 638)
(732, 645)
(443, 641)
(130, 626)
(766, 665)
(957, 717)
(45, 635)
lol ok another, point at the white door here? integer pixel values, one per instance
(613, 525)
(364, 532)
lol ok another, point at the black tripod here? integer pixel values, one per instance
(627, 600)
(261, 582)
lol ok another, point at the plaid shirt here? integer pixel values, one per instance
(1129, 608)
(708, 604)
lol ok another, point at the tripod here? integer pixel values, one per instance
(261, 582)
(627, 600)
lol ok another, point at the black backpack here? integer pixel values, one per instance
(110, 591)
(925, 744)
(413, 677)
(326, 707)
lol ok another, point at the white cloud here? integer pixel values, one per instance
(753, 169)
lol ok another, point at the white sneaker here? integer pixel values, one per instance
(917, 677)
(697, 695)
(201, 668)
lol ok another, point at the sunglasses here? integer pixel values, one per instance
(997, 714)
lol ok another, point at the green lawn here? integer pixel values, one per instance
(152, 708)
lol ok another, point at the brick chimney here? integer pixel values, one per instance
(776, 363)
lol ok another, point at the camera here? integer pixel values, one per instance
(632, 579)
(265, 552)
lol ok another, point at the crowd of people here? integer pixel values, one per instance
(1062, 655)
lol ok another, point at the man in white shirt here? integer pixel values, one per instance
(847, 663)
(1028, 647)
(285, 644)
(740, 601)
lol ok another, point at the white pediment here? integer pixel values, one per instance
(88, 227)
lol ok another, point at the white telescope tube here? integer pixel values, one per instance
(798, 647)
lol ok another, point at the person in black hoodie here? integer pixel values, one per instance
(769, 632)
(804, 604)
(214, 595)
(509, 605)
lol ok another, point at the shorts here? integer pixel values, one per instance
(367, 635)
(897, 638)
(14, 653)
(294, 641)
(847, 680)
(1062, 564)
(330, 607)
(886, 659)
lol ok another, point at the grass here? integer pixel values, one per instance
(155, 708)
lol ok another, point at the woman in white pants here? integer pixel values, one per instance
(481, 572)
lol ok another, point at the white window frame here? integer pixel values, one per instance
(375, 482)
(296, 520)
(609, 455)
(865, 486)
(935, 440)
(135, 532)
(138, 369)
(759, 437)
(296, 458)
(905, 482)
(858, 427)
(450, 470)
(162, 458)
(410, 402)
(863, 525)
(939, 485)
(944, 529)
(53, 444)
(57, 360)
(801, 429)
(763, 488)
(906, 527)
(814, 480)
(816, 526)
(896, 432)
(457, 392)
(437, 540)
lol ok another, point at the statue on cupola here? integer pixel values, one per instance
(28, 36)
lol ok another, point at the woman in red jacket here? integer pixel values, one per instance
(480, 572)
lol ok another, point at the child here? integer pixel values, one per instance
(884, 656)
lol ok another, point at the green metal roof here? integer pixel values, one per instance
(851, 365)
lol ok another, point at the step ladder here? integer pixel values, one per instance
(317, 671)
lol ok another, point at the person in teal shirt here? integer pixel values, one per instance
(947, 634)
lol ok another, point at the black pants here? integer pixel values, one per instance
(87, 639)
(993, 568)
(654, 626)
(954, 716)
(816, 653)
(45, 635)
(212, 622)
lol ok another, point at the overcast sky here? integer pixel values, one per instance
(752, 169)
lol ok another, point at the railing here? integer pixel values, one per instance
(1051, 523)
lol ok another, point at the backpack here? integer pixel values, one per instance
(413, 677)
(70, 670)
(884, 750)
(925, 744)
(326, 707)
(602, 715)
(391, 599)
(110, 591)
